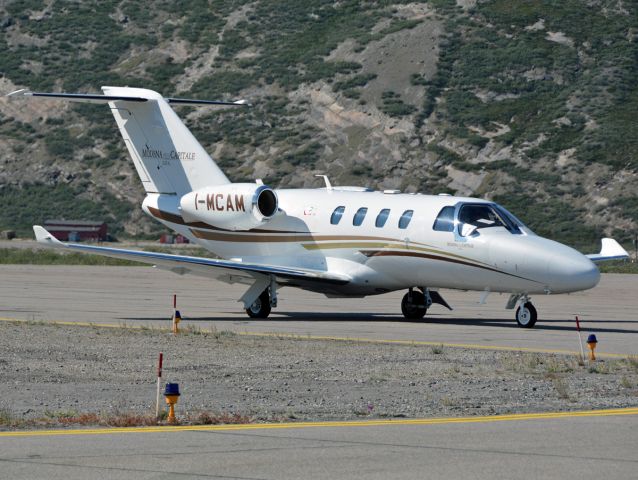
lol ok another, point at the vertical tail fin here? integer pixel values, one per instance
(166, 155)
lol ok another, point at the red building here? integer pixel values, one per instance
(77, 230)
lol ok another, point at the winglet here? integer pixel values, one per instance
(42, 236)
(23, 92)
(610, 250)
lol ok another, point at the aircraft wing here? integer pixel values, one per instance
(610, 250)
(224, 270)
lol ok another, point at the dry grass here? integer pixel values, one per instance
(437, 350)
(208, 418)
(539, 363)
(118, 419)
(561, 387)
(632, 361)
(447, 401)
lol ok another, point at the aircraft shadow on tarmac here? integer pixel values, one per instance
(281, 316)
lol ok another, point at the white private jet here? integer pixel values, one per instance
(339, 241)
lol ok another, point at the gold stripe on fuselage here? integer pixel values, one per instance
(395, 246)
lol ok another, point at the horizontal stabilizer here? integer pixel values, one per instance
(167, 157)
(94, 98)
(610, 250)
(75, 97)
(189, 101)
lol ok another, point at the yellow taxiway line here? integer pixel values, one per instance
(474, 346)
(355, 423)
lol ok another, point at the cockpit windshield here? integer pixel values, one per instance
(486, 215)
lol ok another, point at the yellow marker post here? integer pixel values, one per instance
(176, 316)
(591, 343)
(176, 319)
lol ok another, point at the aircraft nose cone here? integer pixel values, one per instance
(571, 271)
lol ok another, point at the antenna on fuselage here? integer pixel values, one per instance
(327, 180)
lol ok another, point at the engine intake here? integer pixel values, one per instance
(235, 206)
(266, 201)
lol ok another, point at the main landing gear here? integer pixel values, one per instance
(260, 308)
(415, 303)
(265, 302)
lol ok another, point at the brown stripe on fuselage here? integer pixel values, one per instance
(393, 253)
(211, 232)
(171, 217)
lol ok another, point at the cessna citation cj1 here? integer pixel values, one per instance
(339, 241)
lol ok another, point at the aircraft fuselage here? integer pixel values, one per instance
(381, 255)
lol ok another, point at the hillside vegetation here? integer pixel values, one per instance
(529, 103)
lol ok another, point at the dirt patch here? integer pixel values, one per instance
(62, 371)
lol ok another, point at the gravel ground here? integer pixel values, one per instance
(49, 370)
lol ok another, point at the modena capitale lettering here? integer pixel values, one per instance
(220, 202)
(172, 155)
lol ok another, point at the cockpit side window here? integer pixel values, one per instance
(445, 220)
(481, 216)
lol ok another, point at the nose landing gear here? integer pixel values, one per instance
(526, 315)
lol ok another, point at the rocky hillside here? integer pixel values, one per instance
(532, 104)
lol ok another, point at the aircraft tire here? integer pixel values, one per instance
(413, 305)
(260, 307)
(526, 315)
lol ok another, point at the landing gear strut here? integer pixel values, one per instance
(265, 302)
(260, 307)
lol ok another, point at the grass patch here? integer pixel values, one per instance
(437, 349)
(561, 387)
(621, 266)
(25, 256)
(72, 418)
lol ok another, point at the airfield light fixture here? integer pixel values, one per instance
(171, 394)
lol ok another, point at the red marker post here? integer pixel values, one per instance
(580, 340)
(159, 381)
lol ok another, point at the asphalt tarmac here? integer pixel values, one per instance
(563, 447)
(135, 296)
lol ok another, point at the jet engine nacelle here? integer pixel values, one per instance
(234, 206)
